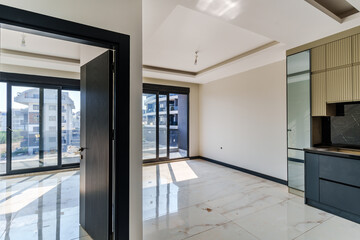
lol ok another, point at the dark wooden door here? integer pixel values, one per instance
(96, 141)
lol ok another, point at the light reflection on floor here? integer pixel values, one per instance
(198, 200)
(160, 180)
(41, 207)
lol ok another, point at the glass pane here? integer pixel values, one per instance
(299, 111)
(178, 104)
(298, 62)
(149, 126)
(3, 103)
(70, 126)
(49, 139)
(25, 127)
(296, 169)
(162, 126)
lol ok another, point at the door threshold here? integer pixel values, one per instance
(167, 161)
(39, 173)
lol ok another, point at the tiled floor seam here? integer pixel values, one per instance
(218, 225)
(313, 228)
(246, 230)
(256, 211)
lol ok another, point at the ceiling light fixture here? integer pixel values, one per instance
(196, 57)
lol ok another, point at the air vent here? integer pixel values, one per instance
(336, 9)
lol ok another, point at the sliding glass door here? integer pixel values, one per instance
(3, 132)
(178, 125)
(155, 126)
(164, 125)
(149, 123)
(33, 127)
(39, 128)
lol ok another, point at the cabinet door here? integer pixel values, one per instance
(356, 48)
(339, 85)
(338, 53)
(318, 59)
(318, 94)
(356, 83)
(312, 176)
(299, 111)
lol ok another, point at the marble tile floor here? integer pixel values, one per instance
(198, 200)
(41, 207)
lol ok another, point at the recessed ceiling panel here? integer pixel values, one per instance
(185, 31)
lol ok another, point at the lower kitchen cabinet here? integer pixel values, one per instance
(332, 183)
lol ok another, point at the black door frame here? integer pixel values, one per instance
(67, 30)
(166, 90)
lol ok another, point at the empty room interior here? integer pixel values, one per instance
(174, 120)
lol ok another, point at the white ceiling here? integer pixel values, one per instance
(221, 29)
(39, 52)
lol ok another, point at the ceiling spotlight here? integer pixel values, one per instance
(23, 41)
(196, 57)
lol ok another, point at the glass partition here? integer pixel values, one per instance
(298, 116)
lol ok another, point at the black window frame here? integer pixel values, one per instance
(157, 89)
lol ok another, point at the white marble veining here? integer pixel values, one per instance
(41, 207)
(194, 200)
(212, 202)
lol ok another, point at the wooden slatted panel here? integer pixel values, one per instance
(339, 85)
(356, 48)
(338, 53)
(318, 58)
(318, 94)
(356, 83)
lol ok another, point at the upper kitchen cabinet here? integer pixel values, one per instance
(356, 82)
(356, 48)
(338, 53)
(318, 59)
(339, 85)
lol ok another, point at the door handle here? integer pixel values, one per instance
(289, 130)
(9, 128)
(82, 149)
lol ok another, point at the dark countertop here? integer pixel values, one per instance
(335, 151)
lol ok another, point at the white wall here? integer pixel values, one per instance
(124, 16)
(246, 115)
(194, 110)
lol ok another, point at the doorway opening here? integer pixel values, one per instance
(40, 110)
(165, 123)
(34, 104)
